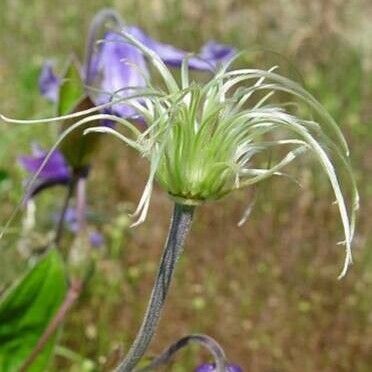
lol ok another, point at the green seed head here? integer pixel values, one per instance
(198, 160)
(203, 139)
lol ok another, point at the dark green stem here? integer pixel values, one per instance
(208, 342)
(180, 226)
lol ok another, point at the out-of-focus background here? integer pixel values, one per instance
(267, 291)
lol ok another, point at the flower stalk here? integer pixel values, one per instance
(180, 226)
(208, 342)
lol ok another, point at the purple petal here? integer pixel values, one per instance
(56, 167)
(211, 367)
(121, 68)
(55, 172)
(168, 53)
(211, 55)
(49, 82)
(41, 185)
(215, 53)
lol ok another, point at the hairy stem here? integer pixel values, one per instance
(61, 221)
(180, 226)
(71, 297)
(208, 342)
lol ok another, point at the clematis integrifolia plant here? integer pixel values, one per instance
(204, 141)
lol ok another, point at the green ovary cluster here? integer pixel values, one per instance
(196, 163)
(196, 173)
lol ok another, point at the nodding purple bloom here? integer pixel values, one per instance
(55, 172)
(211, 367)
(118, 67)
(121, 68)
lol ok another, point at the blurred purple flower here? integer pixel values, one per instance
(211, 367)
(119, 66)
(55, 172)
(49, 82)
(96, 239)
(71, 220)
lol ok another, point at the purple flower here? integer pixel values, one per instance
(55, 171)
(121, 69)
(118, 67)
(49, 82)
(211, 367)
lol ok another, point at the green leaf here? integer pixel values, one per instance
(76, 148)
(26, 310)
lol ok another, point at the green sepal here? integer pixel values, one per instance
(71, 89)
(76, 147)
